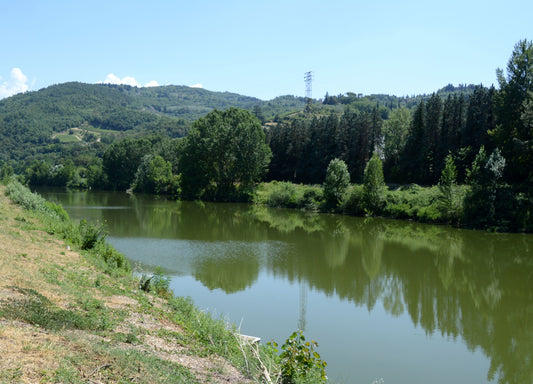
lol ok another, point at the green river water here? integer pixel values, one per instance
(388, 301)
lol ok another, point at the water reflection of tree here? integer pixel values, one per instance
(231, 273)
(460, 283)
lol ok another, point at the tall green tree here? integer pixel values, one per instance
(412, 157)
(336, 182)
(121, 160)
(395, 130)
(374, 186)
(511, 135)
(486, 181)
(356, 138)
(38, 173)
(258, 112)
(452, 124)
(154, 175)
(223, 149)
(96, 177)
(448, 203)
(475, 134)
(431, 164)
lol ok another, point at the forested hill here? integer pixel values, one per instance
(89, 114)
(122, 107)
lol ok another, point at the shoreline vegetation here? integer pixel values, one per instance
(72, 311)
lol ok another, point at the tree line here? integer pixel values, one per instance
(412, 145)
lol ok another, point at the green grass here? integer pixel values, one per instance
(36, 309)
(67, 138)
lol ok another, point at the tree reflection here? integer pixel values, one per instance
(231, 274)
(460, 283)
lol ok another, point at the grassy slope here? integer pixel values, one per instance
(62, 319)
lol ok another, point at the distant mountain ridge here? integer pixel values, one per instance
(79, 113)
(89, 100)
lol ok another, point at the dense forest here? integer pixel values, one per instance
(194, 143)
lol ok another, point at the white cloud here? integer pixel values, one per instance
(111, 79)
(128, 80)
(17, 82)
(197, 86)
(152, 83)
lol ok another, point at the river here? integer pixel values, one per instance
(388, 301)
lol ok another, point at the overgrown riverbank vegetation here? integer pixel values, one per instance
(461, 156)
(72, 311)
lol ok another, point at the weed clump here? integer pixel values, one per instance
(88, 237)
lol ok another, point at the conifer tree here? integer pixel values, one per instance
(374, 186)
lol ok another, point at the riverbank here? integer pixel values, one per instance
(505, 211)
(68, 315)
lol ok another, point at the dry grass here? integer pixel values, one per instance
(133, 341)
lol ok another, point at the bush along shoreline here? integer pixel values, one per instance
(128, 328)
(485, 203)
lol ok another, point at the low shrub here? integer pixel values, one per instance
(312, 198)
(90, 234)
(413, 202)
(158, 283)
(282, 194)
(430, 214)
(353, 201)
(113, 259)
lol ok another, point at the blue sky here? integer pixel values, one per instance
(260, 48)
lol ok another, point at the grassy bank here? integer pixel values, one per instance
(410, 202)
(71, 311)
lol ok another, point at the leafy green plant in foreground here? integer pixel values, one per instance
(299, 361)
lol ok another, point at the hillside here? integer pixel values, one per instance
(122, 107)
(86, 117)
